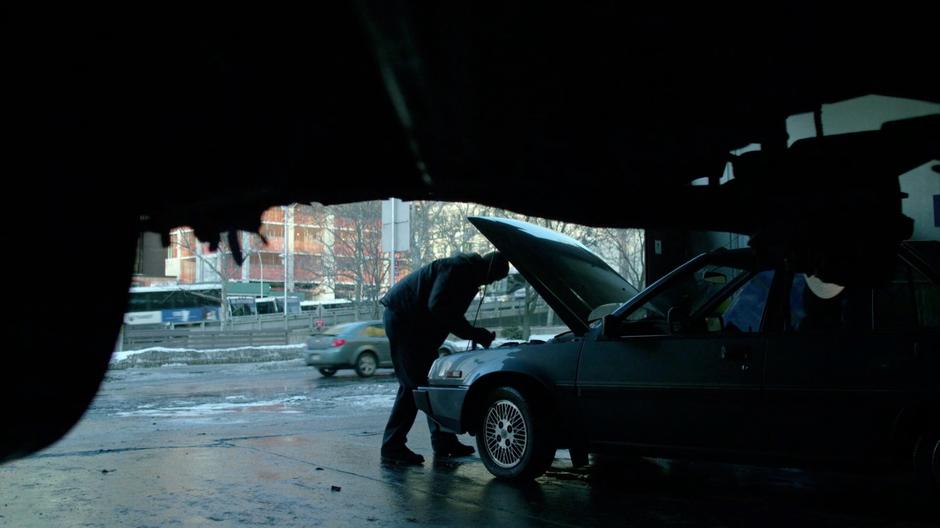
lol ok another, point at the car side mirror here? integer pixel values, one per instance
(610, 327)
(677, 321)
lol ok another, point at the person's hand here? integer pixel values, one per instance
(483, 337)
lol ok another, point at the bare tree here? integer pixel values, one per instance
(426, 217)
(627, 246)
(310, 251)
(216, 261)
(441, 230)
(352, 242)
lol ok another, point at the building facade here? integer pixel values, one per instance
(316, 252)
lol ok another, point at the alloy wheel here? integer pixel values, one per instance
(505, 433)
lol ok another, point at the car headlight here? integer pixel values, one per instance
(446, 368)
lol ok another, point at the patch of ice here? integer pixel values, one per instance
(188, 410)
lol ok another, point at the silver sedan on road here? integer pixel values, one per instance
(362, 346)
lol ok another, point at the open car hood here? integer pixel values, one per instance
(572, 279)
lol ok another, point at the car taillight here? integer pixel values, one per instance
(339, 341)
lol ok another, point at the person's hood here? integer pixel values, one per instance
(572, 279)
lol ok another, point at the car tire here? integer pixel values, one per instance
(927, 463)
(515, 436)
(366, 364)
(326, 372)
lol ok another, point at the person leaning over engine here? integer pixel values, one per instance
(420, 311)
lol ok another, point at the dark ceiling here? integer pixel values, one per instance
(592, 113)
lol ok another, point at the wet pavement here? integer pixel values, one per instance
(276, 444)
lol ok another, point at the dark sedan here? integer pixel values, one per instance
(723, 358)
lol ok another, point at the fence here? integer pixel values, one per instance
(206, 339)
(273, 329)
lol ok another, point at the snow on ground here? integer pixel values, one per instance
(124, 354)
(162, 356)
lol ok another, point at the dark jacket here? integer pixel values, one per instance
(434, 298)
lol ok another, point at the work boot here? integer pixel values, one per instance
(453, 449)
(403, 456)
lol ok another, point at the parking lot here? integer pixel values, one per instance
(275, 444)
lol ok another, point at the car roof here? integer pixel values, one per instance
(358, 324)
(743, 258)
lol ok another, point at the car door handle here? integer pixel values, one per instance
(739, 354)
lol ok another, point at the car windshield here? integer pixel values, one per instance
(689, 291)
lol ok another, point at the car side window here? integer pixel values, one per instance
(816, 307)
(927, 301)
(743, 310)
(374, 331)
(690, 292)
(717, 299)
(908, 301)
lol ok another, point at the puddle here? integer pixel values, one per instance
(190, 409)
(370, 401)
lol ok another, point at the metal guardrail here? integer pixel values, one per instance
(330, 317)
(202, 339)
(270, 329)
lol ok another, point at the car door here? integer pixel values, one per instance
(843, 368)
(699, 389)
(378, 339)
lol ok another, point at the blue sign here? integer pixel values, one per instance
(189, 315)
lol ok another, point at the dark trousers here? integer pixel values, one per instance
(412, 353)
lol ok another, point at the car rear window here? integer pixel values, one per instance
(373, 331)
(338, 329)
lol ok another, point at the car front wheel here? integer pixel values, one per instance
(326, 372)
(515, 436)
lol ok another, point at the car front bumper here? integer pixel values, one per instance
(444, 405)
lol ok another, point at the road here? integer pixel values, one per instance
(275, 444)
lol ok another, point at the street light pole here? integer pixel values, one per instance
(391, 282)
(285, 290)
(286, 256)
